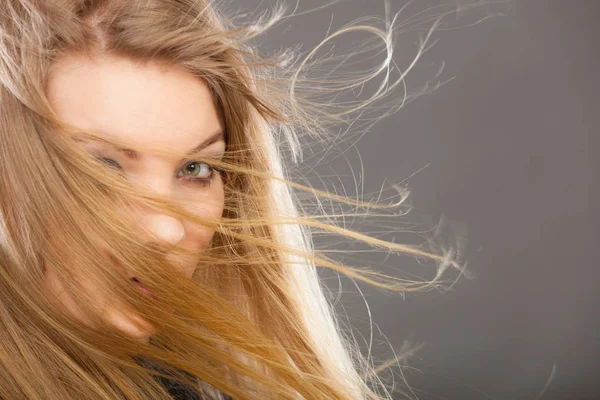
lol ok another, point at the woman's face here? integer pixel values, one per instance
(145, 105)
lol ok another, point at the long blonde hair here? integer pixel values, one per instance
(255, 322)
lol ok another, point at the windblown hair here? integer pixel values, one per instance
(255, 321)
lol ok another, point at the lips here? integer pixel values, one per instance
(133, 278)
(142, 287)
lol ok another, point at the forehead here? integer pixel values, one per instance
(151, 104)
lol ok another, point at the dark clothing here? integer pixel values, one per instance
(181, 391)
(178, 390)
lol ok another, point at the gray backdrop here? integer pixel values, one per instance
(509, 152)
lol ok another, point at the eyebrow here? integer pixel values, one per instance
(133, 154)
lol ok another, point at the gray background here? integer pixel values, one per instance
(509, 152)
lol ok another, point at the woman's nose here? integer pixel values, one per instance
(163, 227)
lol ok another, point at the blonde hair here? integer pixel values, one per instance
(255, 321)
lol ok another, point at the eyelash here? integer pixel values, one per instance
(204, 182)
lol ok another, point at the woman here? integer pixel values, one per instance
(150, 243)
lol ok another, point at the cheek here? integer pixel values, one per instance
(198, 236)
(211, 210)
(116, 314)
(55, 289)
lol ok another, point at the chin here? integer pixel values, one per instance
(133, 326)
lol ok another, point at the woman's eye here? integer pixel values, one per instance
(110, 162)
(198, 172)
(195, 171)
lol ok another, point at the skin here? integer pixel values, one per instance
(146, 105)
